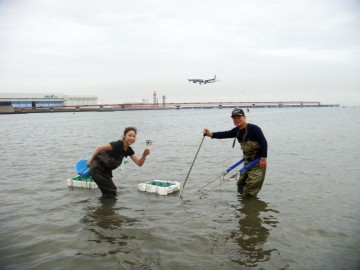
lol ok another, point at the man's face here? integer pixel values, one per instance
(239, 121)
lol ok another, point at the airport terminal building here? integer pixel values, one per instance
(43, 100)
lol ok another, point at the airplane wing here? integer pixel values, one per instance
(200, 81)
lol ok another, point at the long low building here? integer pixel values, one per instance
(41, 100)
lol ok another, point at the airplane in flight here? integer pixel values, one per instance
(200, 81)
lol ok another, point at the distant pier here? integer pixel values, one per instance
(163, 106)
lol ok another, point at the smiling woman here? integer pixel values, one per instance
(108, 157)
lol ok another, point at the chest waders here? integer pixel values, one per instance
(251, 181)
(101, 171)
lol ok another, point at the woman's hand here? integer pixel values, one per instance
(140, 161)
(146, 151)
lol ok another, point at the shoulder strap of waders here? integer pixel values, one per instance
(237, 134)
(245, 134)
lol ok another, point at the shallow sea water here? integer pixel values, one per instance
(307, 215)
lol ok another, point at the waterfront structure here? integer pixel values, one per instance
(80, 100)
(43, 100)
(52, 102)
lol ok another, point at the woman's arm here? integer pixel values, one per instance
(140, 161)
(105, 147)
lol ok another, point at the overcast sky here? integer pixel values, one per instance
(124, 50)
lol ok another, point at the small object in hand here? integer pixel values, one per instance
(148, 143)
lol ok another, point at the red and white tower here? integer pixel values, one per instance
(154, 96)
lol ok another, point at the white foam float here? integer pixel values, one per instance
(161, 187)
(81, 182)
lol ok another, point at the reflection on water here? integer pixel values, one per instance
(106, 227)
(253, 232)
(105, 216)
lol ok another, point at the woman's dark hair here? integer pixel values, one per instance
(126, 130)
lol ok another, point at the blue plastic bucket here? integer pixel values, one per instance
(82, 169)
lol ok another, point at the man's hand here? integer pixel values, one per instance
(207, 132)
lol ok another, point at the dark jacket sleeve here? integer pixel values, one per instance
(262, 141)
(225, 134)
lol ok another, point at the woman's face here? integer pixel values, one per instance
(130, 137)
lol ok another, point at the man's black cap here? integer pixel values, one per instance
(237, 112)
